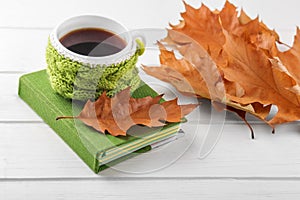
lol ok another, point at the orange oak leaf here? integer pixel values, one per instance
(262, 79)
(291, 58)
(119, 113)
(202, 25)
(233, 60)
(203, 79)
(252, 30)
(197, 33)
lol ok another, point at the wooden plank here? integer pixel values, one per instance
(23, 50)
(137, 14)
(234, 156)
(27, 53)
(131, 13)
(12, 108)
(150, 189)
(35, 151)
(31, 148)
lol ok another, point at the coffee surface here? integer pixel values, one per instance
(93, 42)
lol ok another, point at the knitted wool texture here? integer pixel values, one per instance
(74, 80)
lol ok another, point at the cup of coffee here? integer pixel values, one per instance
(87, 55)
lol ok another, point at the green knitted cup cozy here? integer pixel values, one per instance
(78, 81)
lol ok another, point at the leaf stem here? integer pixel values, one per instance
(66, 117)
(288, 46)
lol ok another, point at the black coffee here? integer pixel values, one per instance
(93, 42)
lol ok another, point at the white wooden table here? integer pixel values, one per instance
(36, 164)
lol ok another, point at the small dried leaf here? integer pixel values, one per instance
(116, 115)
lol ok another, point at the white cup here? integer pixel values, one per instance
(63, 63)
(94, 21)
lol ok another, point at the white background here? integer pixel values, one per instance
(36, 164)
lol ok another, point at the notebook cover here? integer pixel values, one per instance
(89, 144)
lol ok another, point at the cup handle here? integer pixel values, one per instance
(140, 40)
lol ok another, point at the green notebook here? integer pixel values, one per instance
(97, 150)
